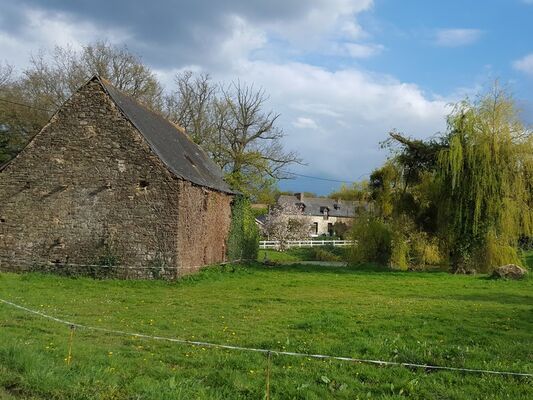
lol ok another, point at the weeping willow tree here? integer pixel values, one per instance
(486, 178)
(463, 198)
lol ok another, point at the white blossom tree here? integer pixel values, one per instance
(284, 223)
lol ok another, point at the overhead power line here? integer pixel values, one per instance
(317, 178)
(24, 105)
(324, 179)
(287, 172)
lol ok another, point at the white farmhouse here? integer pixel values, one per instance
(322, 213)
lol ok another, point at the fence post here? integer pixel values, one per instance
(269, 361)
(71, 339)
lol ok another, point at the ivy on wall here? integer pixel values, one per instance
(243, 241)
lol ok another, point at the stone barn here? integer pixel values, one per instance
(109, 182)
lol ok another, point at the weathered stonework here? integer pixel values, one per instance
(89, 191)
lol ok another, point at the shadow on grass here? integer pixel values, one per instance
(502, 298)
(217, 272)
(310, 268)
(491, 277)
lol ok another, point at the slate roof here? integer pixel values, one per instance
(315, 206)
(179, 153)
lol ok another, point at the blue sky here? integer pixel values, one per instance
(504, 29)
(342, 73)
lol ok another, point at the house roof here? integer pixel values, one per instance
(315, 205)
(180, 154)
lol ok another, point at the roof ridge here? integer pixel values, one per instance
(105, 82)
(184, 158)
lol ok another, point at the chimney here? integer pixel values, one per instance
(300, 197)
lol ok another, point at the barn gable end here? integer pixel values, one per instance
(91, 189)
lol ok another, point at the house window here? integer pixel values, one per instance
(314, 229)
(330, 229)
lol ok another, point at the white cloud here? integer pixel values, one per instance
(322, 28)
(198, 33)
(334, 117)
(357, 50)
(44, 30)
(323, 17)
(244, 38)
(305, 123)
(315, 108)
(347, 113)
(59, 29)
(525, 64)
(167, 76)
(457, 37)
(352, 30)
(352, 50)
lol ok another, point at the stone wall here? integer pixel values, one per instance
(204, 222)
(89, 191)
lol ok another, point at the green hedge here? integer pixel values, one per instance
(243, 241)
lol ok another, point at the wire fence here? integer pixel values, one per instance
(268, 352)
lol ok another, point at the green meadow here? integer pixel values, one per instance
(429, 318)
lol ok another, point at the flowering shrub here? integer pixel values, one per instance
(284, 223)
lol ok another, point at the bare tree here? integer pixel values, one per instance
(124, 70)
(231, 124)
(6, 74)
(52, 77)
(18, 122)
(192, 106)
(252, 138)
(285, 222)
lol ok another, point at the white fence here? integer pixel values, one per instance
(274, 244)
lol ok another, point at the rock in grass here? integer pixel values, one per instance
(270, 263)
(510, 271)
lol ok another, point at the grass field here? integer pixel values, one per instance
(528, 260)
(435, 318)
(320, 253)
